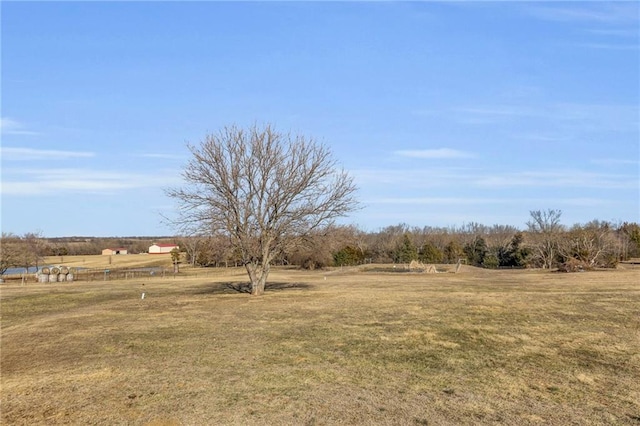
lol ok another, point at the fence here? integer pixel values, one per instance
(121, 274)
(88, 274)
(136, 273)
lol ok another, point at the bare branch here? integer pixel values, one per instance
(262, 189)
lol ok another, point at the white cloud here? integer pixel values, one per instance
(7, 123)
(27, 154)
(10, 126)
(609, 46)
(436, 200)
(628, 32)
(447, 201)
(579, 116)
(489, 179)
(614, 161)
(441, 153)
(430, 177)
(54, 181)
(563, 178)
(596, 12)
(587, 116)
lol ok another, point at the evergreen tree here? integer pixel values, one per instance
(431, 254)
(453, 252)
(406, 251)
(475, 251)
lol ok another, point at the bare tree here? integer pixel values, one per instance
(24, 251)
(318, 249)
(8, 251)
(545, 230)
(593, 244)
(262, 189)
(192, 244)
(35, 249)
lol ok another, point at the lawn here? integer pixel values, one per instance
(325, 347)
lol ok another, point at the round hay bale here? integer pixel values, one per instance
(64, 270)
(46, 270)
(62, 277)
(53, 278)
(55, 271)
(43, 278)
(69, 276)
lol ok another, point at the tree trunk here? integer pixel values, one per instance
(257, 288)
(258, 275)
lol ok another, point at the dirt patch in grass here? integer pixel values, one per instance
(511, 347)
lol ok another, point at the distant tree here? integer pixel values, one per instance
(453, 251)
(23, 251)
(139, 245)
(175, 259)
(514, 253)
(211, 251)
(347, 256)
(490, 260)
(545, 231)
(57, 250)
(436, 239)
(499, 239)
(429, 253)
(406, 250)
(35, 249)
(358, 239)
(315, 251)
(593, 244)
(192, 244)
(385, 242)
(629, 235)
(475, 251)
(263, 190)
(9, 245)
(319, 248)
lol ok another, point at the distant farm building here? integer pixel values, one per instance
(110, 251)
(162, 248)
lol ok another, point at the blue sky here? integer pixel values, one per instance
(445, 113)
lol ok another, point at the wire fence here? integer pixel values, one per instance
(46, 274)
(101, 274)
(54, 274)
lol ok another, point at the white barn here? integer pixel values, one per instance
(162, 248)
(112, 251)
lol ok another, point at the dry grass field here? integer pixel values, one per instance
(115, 261)
(325, 348)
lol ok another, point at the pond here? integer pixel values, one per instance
(16, 271)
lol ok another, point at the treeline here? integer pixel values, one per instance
(74, 246)
(545, 243)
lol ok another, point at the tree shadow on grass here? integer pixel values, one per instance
(234, 287)
(286, 286)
